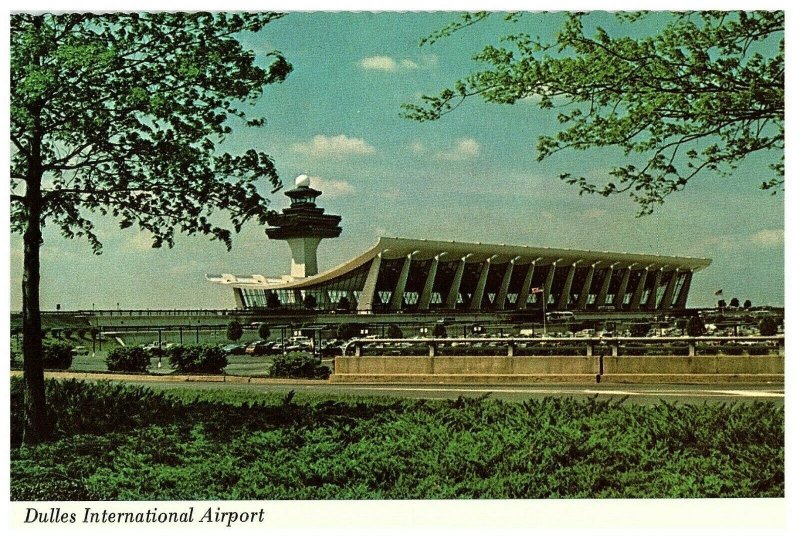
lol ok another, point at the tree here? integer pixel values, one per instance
(263, 331)
(394, 331)
(123, 115)
(734, 303)
(235, 331)
(439, 331)
(767, 327)
(703, 93)
(747, 304)
(695, 327)
(682, 323)
(310, 302)
(343, 304)
(639, 329)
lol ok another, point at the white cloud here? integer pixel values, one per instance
(464, 148)
(336, 147)
(331, 188)
(140, 242)
(767, 238)
(387, 63)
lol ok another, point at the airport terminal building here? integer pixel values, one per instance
(399, 275)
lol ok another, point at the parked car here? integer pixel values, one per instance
(260, 347)
(233, 349)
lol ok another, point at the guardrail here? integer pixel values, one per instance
(614, 343)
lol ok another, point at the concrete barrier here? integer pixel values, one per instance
(559, 369)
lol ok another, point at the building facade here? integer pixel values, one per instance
(412, 275)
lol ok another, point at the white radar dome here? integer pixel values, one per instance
(302, 181)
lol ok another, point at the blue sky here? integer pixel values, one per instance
(472, 176)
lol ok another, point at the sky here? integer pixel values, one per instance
(471, 176)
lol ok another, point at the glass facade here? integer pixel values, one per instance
(410, 277)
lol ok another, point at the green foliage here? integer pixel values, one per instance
(198, 359)
(394, 331)
(703, 91)
(768, 327)
(732, 349)
(136, 116)
(57, 356)
(343, 304)
(695, 327)
(747, 304)
(235, 331)
(263, 331)
(757, 350)
(119, 442)
(298, 365)
(128, 359)
(309, 302)
(346, 331)
(639, 329)
(439, 331)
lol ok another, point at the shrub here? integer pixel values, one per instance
(768, 327)
(298, 365)
(758, 350)
(128, 359)
(732, 349)
(198, 359)
(235, 331)
(439, 331)
(67, 333)
(695, 327)
(57, 356)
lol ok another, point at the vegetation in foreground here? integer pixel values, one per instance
(119, 442)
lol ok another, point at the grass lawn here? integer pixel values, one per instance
(120, 442)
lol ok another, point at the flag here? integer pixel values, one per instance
(536, 290)
(718, 292)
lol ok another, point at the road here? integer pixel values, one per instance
(633, 394)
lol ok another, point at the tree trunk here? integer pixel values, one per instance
(36, 428)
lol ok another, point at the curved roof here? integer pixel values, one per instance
(422, 249)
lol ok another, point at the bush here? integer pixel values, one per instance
(57, 356)
(298, 365)
(235, 331)
(128, 359)
(439, 331)
(768, 327)
(758, 350)
(198, 359)
(732, 349)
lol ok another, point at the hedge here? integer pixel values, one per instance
(128, 359)
(198, 359)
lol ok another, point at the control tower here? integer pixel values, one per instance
(303, 225)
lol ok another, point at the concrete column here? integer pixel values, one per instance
(666, 300)
(567, 289)
(396, 302)
(452, 296)
(651, 299)
(365, 301)
(304, 256)
(480, 287)
(587, 284)
(692, 350)
(525, 291)
(623, 287)
(637, 295)
(680, 303)
(548, 283)
(427, 291)
(601, 297)
(500, 300)
(239, 298)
